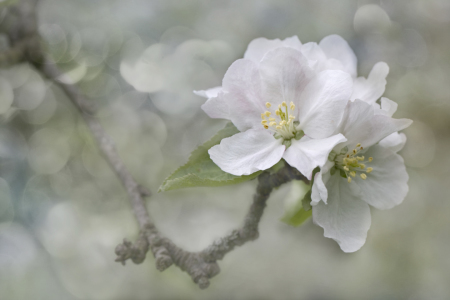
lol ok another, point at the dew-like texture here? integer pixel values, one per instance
(63, 210)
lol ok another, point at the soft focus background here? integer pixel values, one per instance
(62, 211)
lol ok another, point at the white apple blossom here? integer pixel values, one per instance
(332, 53)
(283, 108)
(364, 170)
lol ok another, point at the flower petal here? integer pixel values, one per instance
(319, 190)
(387, 185)
(362, 125)
(394, 142)
(240, 100)
(371, 89)
(322, 103)
(260, 46)
(247, 152)
(307, 154)
(318, 60)
(346, 219)
(217, 107)
(388, 106)
(210, 93)
(315, 55)
(285, 74)
(336, 47)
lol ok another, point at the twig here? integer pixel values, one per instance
(201, 266)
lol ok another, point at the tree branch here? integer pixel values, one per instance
(201, 266)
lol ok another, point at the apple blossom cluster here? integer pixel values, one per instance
(305, 104)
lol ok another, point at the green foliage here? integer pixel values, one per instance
(200, 170)
(299, 217)
(295, 213)
(306, 201)
(300, 210)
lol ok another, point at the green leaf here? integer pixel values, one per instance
(299, 218)
(200, 170)
(306, 201)
(295, 214)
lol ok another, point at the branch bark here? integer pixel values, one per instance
(201, 266)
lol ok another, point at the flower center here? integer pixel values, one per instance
(282, 124)
(350, 164)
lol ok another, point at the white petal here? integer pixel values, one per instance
(292, 42)
(322, 103)
(387, 185)
(319, 190)
(371, 89)
(336, 47)
(394, 142)
(346, 218)
(312, 51)
(362, 125)
(318, 60)
(247, 152)
(388, 106)
(260, 46)
(217, 107)
(241, 100)
(307, 154)
(315, 55)
(210, 93)
(285, 74)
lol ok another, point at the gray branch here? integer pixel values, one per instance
(201, 266)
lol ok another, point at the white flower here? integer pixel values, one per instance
(283, 108)
(332, 53)
(365, 170)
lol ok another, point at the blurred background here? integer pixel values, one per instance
(62, 210)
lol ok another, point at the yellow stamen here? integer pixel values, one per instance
(349, 179)
(266, 127)
(282, 120)
(351, 164)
